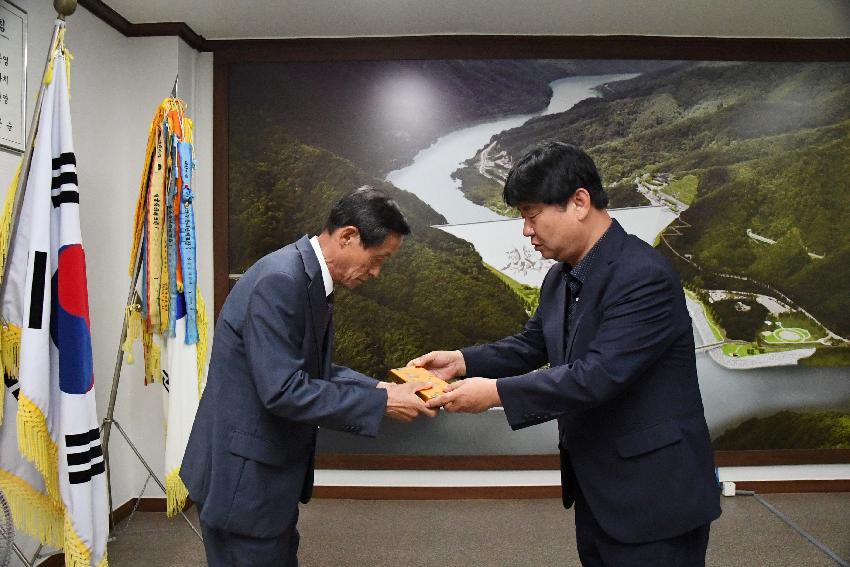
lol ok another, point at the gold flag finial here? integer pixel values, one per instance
(65, 7)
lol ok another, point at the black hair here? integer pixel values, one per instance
(372, 212)
(551, 173)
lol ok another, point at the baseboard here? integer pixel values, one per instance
(531, 492)
(145, 505)
(551, 461)
(436, 492)
(56, 560)
(780, 486)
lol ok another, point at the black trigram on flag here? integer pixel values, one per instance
(64, 174)
(12, 385)
(87, 459)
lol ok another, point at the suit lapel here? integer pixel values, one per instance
(560, 318)
(315, 295)
(592, 290)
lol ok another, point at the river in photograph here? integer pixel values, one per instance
(429, 177)
(730, 396)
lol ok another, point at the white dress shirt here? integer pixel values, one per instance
(326, 274)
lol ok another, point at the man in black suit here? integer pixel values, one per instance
(612, 324)
(271, 382)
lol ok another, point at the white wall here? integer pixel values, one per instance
(116, 85)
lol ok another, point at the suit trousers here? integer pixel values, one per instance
(597, 549)
(228, 549)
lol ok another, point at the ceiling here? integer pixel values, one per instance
(228, 19)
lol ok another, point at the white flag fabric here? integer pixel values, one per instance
(34, 511)
(181, 404)
(57, 424)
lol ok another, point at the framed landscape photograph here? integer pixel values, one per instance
(731, 157)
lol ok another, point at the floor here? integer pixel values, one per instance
(499, 532)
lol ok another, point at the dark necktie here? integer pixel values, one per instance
(328, 343)
(574, 286)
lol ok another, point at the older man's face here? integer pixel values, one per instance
(357, 264)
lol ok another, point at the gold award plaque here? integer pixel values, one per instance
(416, 374)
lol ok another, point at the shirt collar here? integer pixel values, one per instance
(326, 274)
(582, 270)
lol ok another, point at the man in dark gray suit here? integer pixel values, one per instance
(271, 382)
(621, 379)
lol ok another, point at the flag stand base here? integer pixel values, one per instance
(151, 475)
(36, 556)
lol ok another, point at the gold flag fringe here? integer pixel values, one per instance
(10, 357)
(36, 444)
(203, 338)
(6, 219)
(176, 493)
(77, 553)
(33, 512)
(8, 351)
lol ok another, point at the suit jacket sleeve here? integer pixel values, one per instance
(344, 375)
(522, 352)
(273, 335)
(636, 328)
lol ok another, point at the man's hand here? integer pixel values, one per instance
(446, 364)
(402, 402)
(472, 395)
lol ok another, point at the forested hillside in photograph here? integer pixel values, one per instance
(434, 293)
(768, 144)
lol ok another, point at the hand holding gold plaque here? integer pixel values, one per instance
(416, 374)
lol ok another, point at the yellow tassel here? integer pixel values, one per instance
(35, 443)
(203, 338)
(33, 512)
(6, 219)
(48, 73)
(68, 59)
(134, 331)
(176, 493)
(10, 349)
(59, 45)
(188, 131)
(10, 358)
(77, 553)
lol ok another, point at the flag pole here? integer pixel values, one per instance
(110, 420)
(63, 8)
